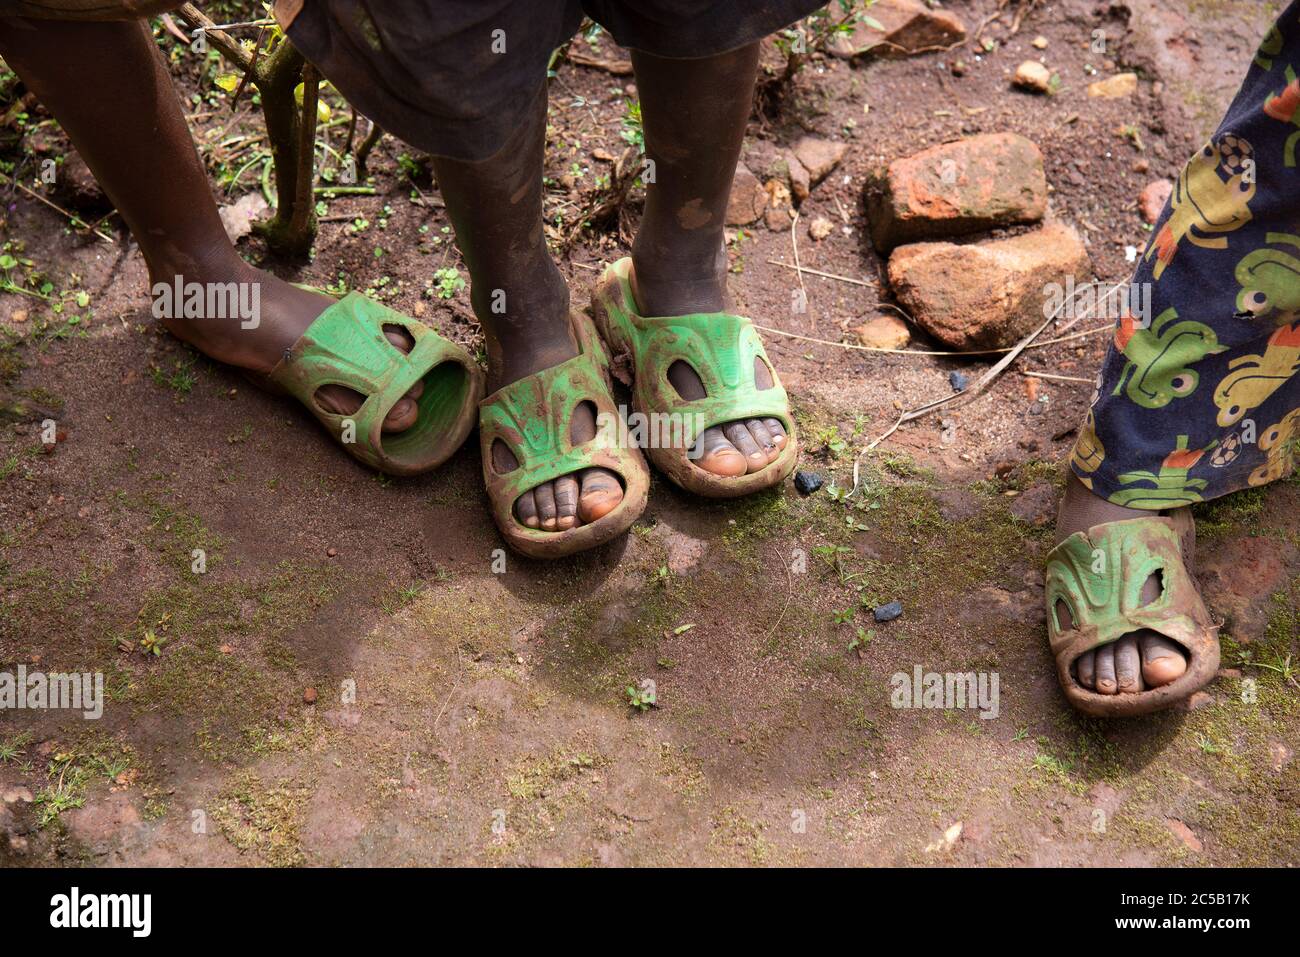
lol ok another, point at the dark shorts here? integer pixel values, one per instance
(456, 77)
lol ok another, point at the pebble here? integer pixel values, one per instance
(331, 551)
(807, 482)
(888, 612)
(309, 696)
(958, 381)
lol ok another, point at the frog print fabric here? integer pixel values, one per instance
(1199, 395)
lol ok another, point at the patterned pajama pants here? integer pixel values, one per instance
(1199, 394)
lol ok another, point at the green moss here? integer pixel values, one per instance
(266, 821)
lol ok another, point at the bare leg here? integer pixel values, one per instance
(695, 113)
(109, 90)
(522, 302)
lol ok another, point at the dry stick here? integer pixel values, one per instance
(824, 275)
(73, 217)
(363, 151)
(967, 394)
(252, 68)
(616, 67)
(1035, 374)
(930, 352)
(227, 45)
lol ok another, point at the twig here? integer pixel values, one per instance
(924, 352)
(794, 242)
(1032, 374)
(616, 67)
(72, 217)
(968, 394)
(824, 275)
(227, 45)
(252, 67)
(368, 144)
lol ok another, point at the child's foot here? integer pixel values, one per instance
(1138, 661)
(732, 448)
(571, 500)
(285, 313)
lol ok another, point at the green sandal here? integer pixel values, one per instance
(721, 348)
(346, 346)
(532, 416)
(1099, 577)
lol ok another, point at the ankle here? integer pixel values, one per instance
(1081, 509)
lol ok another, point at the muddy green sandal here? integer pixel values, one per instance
(532, 417)
(345, 345)
(721, 348)
(1098, 576)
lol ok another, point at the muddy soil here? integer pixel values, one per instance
(350, 681)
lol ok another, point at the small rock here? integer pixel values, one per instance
(820, 228)
(1154, 196)
(819, 156)
(898, 28)
(309, 696)
(1197, 700)
(958, 68)
(800, 180)
(958, 381)
(987, 294)
(1114, 87)
(331, 551)
(778, 220)
(972, 185)
(1184, 834)
(1032, 385)
(887, 612)
(18, 315)
(884, 332)
(807, 482)
(1033, 76)
(1040, 43)
(748, 198)
(16, 794)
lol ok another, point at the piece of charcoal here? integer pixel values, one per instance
(807, 482)
(888, 612)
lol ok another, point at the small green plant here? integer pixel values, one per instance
(863, 638)
(642, 699)
(447, 282)
(152, 642)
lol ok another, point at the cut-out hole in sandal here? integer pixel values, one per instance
(582, 425)
(392, 331)
(1064, 617)
(503, 460)
(1154, 587)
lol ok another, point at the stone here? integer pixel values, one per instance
(887, 612)
(884, 332)
(806, 483)
(1114, 87)
(958, 381)
(800, 179)
(1153, 198)
(748, 198)
(820, 228)
(1033, 76)
(309, 696)
(1184, 834)
(989, 294)
(819, 156)
(953, 189)
(900, 28)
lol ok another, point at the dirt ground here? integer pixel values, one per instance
(461, 716)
